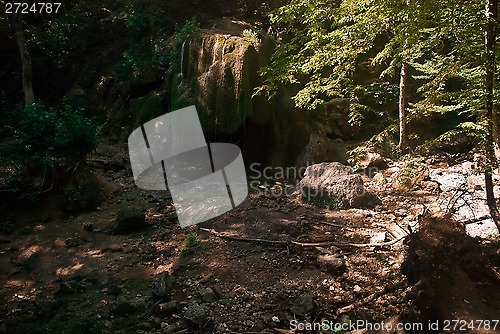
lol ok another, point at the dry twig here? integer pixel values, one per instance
(300, 244)
(372, 297)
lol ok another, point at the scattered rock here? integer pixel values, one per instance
(123, 307)
(149, 249)
(207, 295)
(302, 305)
(218, 290)
(335, 186)
(88, 226)
(129, 220)
(29, 257)
(373, 162)
(456, 143)
(332, 264)
(410, 176)
(378, 237)
(431, 186)
(70, 287)
(196, 315)
(380, 179)
(163, 285)
(166, 309)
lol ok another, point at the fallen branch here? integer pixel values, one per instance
(300, 244)
(372, 297)
(475, 220)
(332, 225)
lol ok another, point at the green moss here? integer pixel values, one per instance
(146, 108)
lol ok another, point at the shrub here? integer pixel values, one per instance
(54, 137)
(47, 144)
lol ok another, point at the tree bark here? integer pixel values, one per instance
(490, 42)
(403, 125)
(27, 72)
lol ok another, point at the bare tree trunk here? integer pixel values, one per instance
(27, 73)
(403, 126)
(492, 18)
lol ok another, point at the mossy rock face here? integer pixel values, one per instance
(146, 108)
(218, 74)
(129, 220)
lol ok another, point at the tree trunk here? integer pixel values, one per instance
(492, 18)
(403, 126)
(27, 73)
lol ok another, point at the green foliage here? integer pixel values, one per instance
(139, 21)
(147, 59)
(384, 143)
(251, 36)
(54, 137)
(354, 49)
(411, 175)
(83, 194)
(192, 244)
(190, 29)
(183, 33)
(47, 144)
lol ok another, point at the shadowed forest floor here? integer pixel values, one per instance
(231, 275)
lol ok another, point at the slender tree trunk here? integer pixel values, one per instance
(27, 73)
(403, 125)
(492, 18)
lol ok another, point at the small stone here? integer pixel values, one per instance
(196, 314)
(275, 319)
(218, 290)
(332, 264)
(123, 307)
(87, 226)
(379, 178)
(129, 220)
(166, 309)
(163, 285)
(378, 238)
(207, 295)
(302, 305)
(356, 289)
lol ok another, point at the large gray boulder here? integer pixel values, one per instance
(335, 186)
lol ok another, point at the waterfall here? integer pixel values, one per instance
(216, 49)
(182, 59)
(202, 48)
(222, 56)
(238, 68)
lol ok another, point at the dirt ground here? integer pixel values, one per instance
(273, 265)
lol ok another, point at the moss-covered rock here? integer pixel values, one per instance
(129, 220)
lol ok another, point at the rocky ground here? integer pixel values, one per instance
(271, 266)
